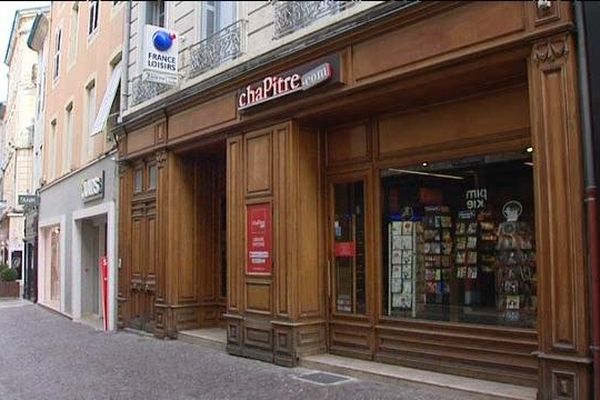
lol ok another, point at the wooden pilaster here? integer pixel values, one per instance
(562, 272)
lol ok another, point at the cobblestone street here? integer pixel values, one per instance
(45, 356)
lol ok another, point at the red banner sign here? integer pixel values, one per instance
(104, 276)
(259, 239)
(344, 249)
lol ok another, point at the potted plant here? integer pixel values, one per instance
(9, 287)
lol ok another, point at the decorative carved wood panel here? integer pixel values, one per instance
(563, 320)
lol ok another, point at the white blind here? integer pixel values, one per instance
(109, 95)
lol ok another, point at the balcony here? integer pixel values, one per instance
(293, 15)
(145, 90)
(227, 44)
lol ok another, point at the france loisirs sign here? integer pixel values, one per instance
(161, 55)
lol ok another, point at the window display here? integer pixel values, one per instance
(459, 241)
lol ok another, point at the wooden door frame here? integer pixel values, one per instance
(363, 174)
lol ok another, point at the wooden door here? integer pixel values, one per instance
(143, 266)
(347, 233)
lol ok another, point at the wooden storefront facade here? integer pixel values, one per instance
(435, 82)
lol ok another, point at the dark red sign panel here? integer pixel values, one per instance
(259, 236)
(344, 249)
(104, 275)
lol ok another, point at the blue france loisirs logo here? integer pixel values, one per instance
(163, 40)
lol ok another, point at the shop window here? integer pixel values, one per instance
(137, 181)
(349, 247)
(458, 241)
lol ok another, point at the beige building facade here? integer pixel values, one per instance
(76, 219)
(19, 120)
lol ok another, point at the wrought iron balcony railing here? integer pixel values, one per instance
(145, 90)
(227, 44)
(293, 15)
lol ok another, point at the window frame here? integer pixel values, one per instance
(93, 17)
(57, 54)
(74, 33)
(153, 7)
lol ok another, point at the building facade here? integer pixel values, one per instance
(17, 161)
(77, 201)
(381, 180)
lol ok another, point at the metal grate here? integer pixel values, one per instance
(323, 378)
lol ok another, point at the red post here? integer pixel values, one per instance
(104, 275)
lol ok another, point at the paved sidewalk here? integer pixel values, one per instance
(6, 302)
(46, 356)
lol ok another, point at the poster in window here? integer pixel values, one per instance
(259, 239)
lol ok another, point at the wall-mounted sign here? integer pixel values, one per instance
(160, 57)
(92, 188)
(28, 200)
(299, 79)
(344, 249)
(476, 198)
(259, 239)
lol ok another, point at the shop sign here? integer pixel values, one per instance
(344, 249)
(299, 79)
(259, 239)
(92, 188)
(160, 57)
(28, 200)
(476, 198)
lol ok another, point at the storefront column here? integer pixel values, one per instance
(276, 313)
(165, 294)
(563, 325)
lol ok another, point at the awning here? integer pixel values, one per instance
(109, 95)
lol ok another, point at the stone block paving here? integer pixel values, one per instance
(48, 357)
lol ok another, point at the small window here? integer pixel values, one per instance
(217, 15)
(137, 181)
(34, 74)
(152, 177)
(155, 13)
(74, 32)
(68, 160)
(94, 11)
(57, 44)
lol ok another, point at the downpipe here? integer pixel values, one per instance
(591, 196)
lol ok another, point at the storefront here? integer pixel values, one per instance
(76, 231)
(30, 240)
(403, 203)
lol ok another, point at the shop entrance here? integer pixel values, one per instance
(93, 246)
(209, 246)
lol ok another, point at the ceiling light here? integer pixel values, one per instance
(529, 149)
(424, 164)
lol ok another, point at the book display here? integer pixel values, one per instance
(402, 265)
(437, 254)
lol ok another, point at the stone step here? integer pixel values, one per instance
(369, 370)
(212, 337)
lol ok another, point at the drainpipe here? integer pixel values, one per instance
(125, 60)
(590, 196)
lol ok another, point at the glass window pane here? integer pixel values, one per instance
(153, 177)
(137, 181)
(349, 247)
(458, 241)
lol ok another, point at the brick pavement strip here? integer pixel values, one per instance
(45, 356)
